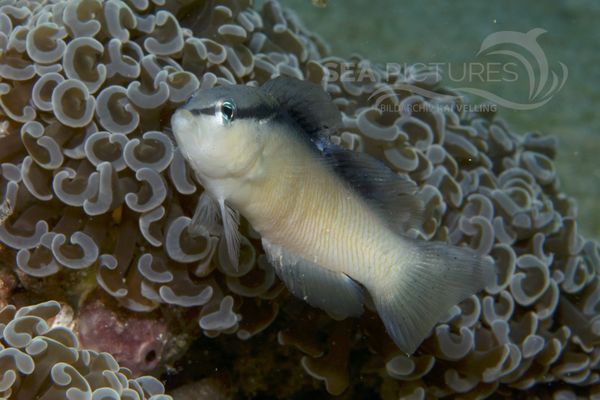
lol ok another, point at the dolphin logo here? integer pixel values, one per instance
(543, 85)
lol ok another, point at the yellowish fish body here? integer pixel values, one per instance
(314, 214)
(331, 220)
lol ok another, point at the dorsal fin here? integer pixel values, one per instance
(391, 195)
(306, 103)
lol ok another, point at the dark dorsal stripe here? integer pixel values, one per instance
(308, 107)
(306, 103)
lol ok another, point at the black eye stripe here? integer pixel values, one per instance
(206, 111)
(258, 111)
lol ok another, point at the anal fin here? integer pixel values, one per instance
(333, 292)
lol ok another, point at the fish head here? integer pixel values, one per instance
(222, 131)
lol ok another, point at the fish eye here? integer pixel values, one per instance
(227, 111)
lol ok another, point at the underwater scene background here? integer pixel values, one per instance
(96, 199)
(450, 33)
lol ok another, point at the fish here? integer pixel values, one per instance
(333, 222)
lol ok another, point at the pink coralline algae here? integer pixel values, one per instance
(136, 340)
(96, 197)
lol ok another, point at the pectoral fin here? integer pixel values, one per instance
(333, 292)
(206, 216)
(231, 221)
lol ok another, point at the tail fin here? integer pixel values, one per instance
(420, 291)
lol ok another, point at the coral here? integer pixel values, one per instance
(39, 360)
(137, 341)
(98, 194)
(96, 187)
